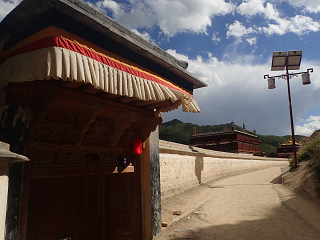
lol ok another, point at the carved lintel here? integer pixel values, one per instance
(40, 104)
(72, 158)
(150, 126)
(123, 122)
(87, 117)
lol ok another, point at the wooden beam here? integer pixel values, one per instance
(88, 88)
(71, 85)
(165, 103)
(108, 95)
(141, 103)
(84, 96)
(77, 171)
(125, 99)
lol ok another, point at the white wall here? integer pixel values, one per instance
(182, 167)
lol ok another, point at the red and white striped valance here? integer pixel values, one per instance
(43, 56)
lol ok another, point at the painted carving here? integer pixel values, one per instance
(71, 158)
(150, 126)
(129, 135)
(58, 157)
(41, 157)
(87, 117)
(99, 132)
(123, 122)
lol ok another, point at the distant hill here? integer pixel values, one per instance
(180, 132)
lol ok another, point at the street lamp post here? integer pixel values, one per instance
(290, 61)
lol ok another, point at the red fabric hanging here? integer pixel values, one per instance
(137, 146)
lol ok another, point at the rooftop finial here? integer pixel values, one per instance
(232, 125)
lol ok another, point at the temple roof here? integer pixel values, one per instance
(29, 10)
(222, 133)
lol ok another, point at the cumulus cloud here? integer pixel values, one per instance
(252, 41)
(112, 5)
(257, 7)
(7, 6)
(299, 25)
(171, 16)
(237, 91)
(251, 8)
(237, 30)
(312, 123)
(312, 6)
(276, 22)
(144, 35)
(215, 37)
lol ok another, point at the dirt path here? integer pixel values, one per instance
(249, 206)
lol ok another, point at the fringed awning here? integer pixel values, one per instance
(55, 53)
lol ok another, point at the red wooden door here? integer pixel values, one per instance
(84, 208)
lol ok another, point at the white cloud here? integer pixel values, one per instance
(171, 16)
(302, 24)
(312, 123)
(215, 38)
(276, 23)
(237, 30)
(252, 41)
(144, 35)
(299, 25)
(237, 91)
(312, 6)
(112, 5)
(7, 6)
(251, 8)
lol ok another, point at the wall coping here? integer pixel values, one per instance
(182, 149)
(6, 154)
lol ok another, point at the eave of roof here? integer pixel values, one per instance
(222, 133)
(28, 10)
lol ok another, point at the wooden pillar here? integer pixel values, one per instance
(155, 183)
(150, 188)
(144, 166)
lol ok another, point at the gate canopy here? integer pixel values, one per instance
(65, 41)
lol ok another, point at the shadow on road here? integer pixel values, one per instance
(198, 168)
(280, 223)
(277, 180)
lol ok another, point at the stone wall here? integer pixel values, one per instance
(183, 167)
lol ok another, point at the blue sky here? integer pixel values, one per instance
(228, 45)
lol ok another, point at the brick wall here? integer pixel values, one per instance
(183, 167)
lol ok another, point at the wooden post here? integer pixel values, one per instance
(155, 183)
(145, 192)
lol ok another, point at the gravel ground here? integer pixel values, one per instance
(253, 205)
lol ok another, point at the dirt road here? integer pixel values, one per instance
(248, 206)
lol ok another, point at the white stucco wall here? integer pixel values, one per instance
(182, 167)
(4, 181)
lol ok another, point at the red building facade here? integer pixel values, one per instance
(285, 150)
(230, 141)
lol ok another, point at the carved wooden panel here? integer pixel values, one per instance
(100, 132)
(56, 126)
(66, 157)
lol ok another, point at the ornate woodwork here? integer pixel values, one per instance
(74, 141)
(73, 130)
